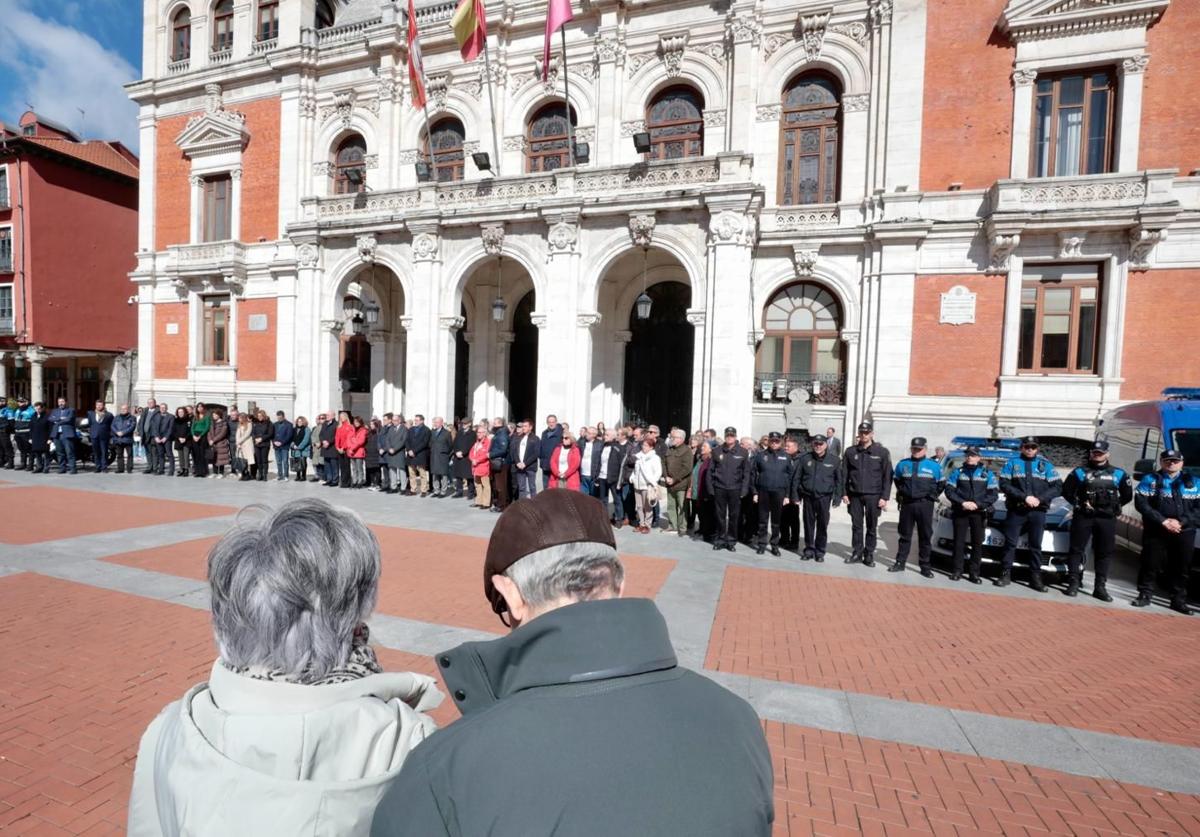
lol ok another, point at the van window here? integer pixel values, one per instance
(1153, 444)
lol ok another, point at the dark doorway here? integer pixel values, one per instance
(462, 368)
(658, 360)
(523, 362)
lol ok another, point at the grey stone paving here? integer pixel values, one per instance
(688, 600)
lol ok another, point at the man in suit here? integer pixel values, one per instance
(418, 456)
(145, 432)
(395, 443)
(524, 453)
(100, 422)
(551, 439)
(161, 425)
(62, 424)
(833, 445)
(441, 441)
(499, 462)
(123, 425)
(589, 462)
(329, 455)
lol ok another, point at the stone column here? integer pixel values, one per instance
(423, 360)
(37, 368)
(1129, 128)
(328, 393)
(4, 377)
(500, 401)
(745, 31)
(565, 344)
(853, 374)
(610, 54)
(614, 406)
(729, 384)
(1023, 83)
(447, 352)
(698, 318)
(379, 353)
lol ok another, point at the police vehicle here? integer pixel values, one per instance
(1137, 433)
(994, 453)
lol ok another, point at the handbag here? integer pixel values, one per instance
(210, 455)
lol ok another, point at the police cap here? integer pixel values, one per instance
(1099, 446)
(818, 439)
(1029, 442)
(730, 431)
(21, 399)
(917, 442)
(866, 427)
(972, 451)
(775, 437)
(1170, 454)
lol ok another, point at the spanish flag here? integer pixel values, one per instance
(470, 28)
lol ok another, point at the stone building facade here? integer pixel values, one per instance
(952, 216)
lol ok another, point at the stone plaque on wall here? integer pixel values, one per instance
(172, 328)
(257, 322)
(958, 306)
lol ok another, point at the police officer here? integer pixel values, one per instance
(1097, 491)
(972, 490)
(789, 521)
(21, 428)
(729, 478)
(8, 416)
(867, 477)
(1030, 484)
(1169, 503)
(919, 482)
(771, 484)
(818, 483)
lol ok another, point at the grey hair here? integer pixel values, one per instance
(574, 571)
(290, 586)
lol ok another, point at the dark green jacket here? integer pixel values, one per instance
(582, 723)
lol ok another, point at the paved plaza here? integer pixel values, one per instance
(892, 704)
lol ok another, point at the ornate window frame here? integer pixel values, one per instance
(214, 141)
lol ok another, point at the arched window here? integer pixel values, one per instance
(548, 139)
(801, 345)
(222, 25)
(448, 139)
(675, 120)
(809, 139)
(181, 35)
(350, 166)
(324, 15)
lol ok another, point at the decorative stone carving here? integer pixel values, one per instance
(196, 180)
(696, 316)
(768, 113)
(562, 237)
(623, 336)
(306, 255)
(514, 143)
(322, 168)
(308, 106)
(856, 32)
(1023, 78)
(806, 261)
(452, 323)
(1000, 249)
(798, 219)
(1136, 64)
(549, 79)
(539, 319)
(334, 327)
(493, 238)
(1142, 241)
(642, 176)
(388, 89)
(1037, 21)
(773, 43)
(343, 106)
(235, 174)
(499, 71)
(366, 245)
(812, 32)
(608, 49)
(585, 134)
(410, 156)
(714, 118)
(671, 48)
(754, 337)
(180, 286)
(235, 284)
(587, 319)
(879, 12)
(634, 126)
(436, 88)
(371, 161)
(718, 51)
(856, 103)
(638, 61)
(729, 227)
(850, 336)
(743, 28)
(1083, 191)
(215, 131)
(425, 247)
(1070, 243)
(641, 228)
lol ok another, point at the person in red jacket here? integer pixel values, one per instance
(341, 442)
(357, 452)
(564, 464)
(481, 467)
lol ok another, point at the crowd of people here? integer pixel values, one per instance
(767, 493)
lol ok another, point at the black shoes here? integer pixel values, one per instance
(1004, 580)
(717, 547)
(926, 573)
(1100, 591)
(759, 550)
(1073, 588)
(974, 579)
(820, 559)
(896, 568)
(1037, 585)
(1181, 607)
(1142, 600)
(731, 547)
(775, 551)
(854, 558)
(868, 559)
(807, 555)
(956, 576)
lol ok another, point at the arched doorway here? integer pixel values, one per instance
(523, 362)
(658, 360)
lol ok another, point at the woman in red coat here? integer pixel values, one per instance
(356, 449)
(564, 464)
(341, 443)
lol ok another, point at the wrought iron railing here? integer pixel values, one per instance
(822, 387)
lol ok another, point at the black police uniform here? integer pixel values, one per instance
(1097, 494)
(919, 482)
(1026, 477)
(729, 476)
(1161, 497)
(867, 475)
(771, 484)
(818, 483)
(7, 424)
(970, 484)
(789, 521)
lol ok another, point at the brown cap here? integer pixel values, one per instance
(552, 518)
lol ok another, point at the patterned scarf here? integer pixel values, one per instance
(360, 664)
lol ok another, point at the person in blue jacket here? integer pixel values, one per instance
(918, 482)
(124, 425)
(21, 432)
(972, 490)
(1097, 492)
(99, 429)
(1169, 502)
(64, 435)
(8, 418)
(1030, 484)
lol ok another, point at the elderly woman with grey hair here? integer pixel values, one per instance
(298, 730)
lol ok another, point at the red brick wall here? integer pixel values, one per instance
(966, 132)
(170, 350)
(1170, 109)
(1152, 358)
(256, 349)
(260, 177)
(956, 360)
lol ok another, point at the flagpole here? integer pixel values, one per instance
(487, 68)
(562, 30)
(420, 65)
(429, 135)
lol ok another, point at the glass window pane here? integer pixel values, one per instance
(1055, 349)
(801, 360)
(1028, 296)
(1070, 91)
(777, 315)
(1056, 324)
(1097, 161)
(1087, 294)
(1057, 300)
(1045, 106)
(802, 320)
(1085, 354)
(770, 355)
(828, 357)
(1028, 330)
(1070, 138)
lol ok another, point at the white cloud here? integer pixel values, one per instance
(59, 70)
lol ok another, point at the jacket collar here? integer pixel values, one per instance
(241, 694)
(579, 643)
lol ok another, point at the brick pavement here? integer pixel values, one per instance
(1104, 669)
(42, 513)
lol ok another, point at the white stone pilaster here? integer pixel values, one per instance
(1022, 130)
(1129, 128)
(423, 361)
(729, 378)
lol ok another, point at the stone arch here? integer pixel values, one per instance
(463, 266)
(618, 244)
(656, 275)
(698, 70)
(532, 97)
(843, 288)
(458, 106)
(349, 269)
(840, 55)
(335, 130)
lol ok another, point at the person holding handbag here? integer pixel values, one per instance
(218, 444)
(564, 464)
(301, 448)
(647, 471)
(245, 447)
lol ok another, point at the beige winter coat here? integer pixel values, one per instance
(243, 756)
(245, 441)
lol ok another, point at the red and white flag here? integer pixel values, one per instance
(557, 16)
(416, 67)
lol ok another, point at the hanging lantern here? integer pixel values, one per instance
(371, 313)
(499, 306)
(642, 305)
(351, 307)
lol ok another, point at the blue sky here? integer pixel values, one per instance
(65, 55)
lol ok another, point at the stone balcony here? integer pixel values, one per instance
(620, 186)
(222, 259)
(1098, 200)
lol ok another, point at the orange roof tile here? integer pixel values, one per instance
(96, 152)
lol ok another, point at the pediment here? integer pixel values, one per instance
(1035, 19)
(214, 132)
